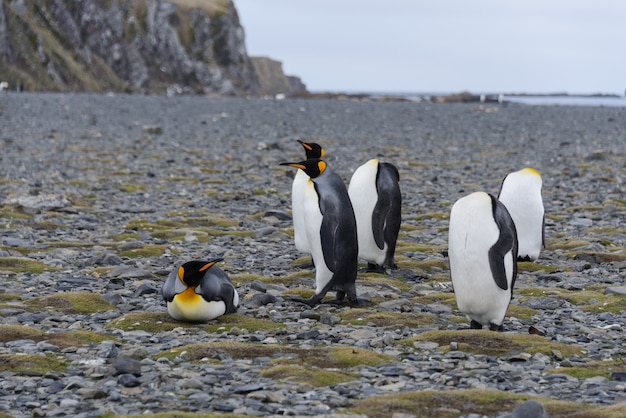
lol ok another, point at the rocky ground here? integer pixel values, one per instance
(102, 196)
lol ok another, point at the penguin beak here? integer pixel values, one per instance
(296, 165)
(305, 145)
(210, 263)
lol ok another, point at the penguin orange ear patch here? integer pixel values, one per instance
(322, 166)
(181, 272)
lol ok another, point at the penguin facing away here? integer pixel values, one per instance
(330, 231)
(312, 150)
(199, 291)
(375, 194)
(482, 250)
(521, 194)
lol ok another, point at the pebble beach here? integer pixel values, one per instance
(102, 196)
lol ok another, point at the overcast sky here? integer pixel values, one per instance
(483, 46)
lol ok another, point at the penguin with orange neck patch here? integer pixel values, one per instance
(330, 228)
(312, 150)
(199, 291)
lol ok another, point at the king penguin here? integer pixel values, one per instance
(521, 194)
(330, 229)
(312, 150)
(375, 194)
(482, 250)
(199, 291)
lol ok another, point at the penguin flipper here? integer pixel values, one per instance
(507, 242)
(328, 232)
(228, 296)
(168, 291)
(388, 210)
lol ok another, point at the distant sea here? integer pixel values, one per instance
(536, 100)
(568, 100)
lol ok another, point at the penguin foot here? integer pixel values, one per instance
(475, 325)
(298, 299)
(495, 327)
(373, 268)
(334, 302)
(315, 300)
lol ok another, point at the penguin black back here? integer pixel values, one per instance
(386, 217)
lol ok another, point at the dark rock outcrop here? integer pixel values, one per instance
(126, 45)
(272, 79)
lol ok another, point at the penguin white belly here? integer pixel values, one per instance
(313, 217)
(363, 195)
(472, 233)
(190, 306)
(297, 211)
(527, 212)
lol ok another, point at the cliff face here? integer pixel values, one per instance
(126, 45)
(272, 78)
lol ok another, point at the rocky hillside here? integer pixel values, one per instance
(130, 45)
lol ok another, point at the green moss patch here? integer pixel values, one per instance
(9, 297)
(60, 339)
(405, 247)
(227, 322)
(598, 256)
(435, 215)
(521, 312)
(599, 368)
(529, 266)
(319, 357)
(175, 414)
(23, 265)
(161, 321)
(31, 364)
(72, 302)
(146, 250)
(428, 265)
(312, 376)
(494, 343)
(592, 299)
(14, 213)
(567, 244)
(483, 402)
(359, 316)
(147, 321)
(176, 228)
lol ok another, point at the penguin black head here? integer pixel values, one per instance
(313, 167)
(192, 272)
(312, 149)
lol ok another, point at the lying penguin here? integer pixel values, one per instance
(482, 249)
(199, 291)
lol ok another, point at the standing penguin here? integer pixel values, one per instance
(521, 194)
(199, 291)
(312, 150)
(375, 194)
(330, 231)
(482, 249)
